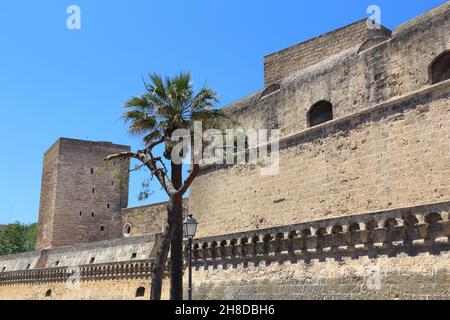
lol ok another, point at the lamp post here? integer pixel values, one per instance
(190, 228)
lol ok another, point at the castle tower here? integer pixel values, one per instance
(81, 195)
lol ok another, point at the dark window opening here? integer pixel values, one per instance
(108, 205)
(28, 266)
(440, 68)
(48, 293)
(92, 260)
(127, 229)
(112, 183)
(93, 190)
(81, 213)
(92, 170)
(93, 214)
(319, 113)
(4, 268)
(56, 263)
(102, 228)
(140, 292)
(134, 255)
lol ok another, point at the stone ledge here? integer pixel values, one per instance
(425, 227)
(114, 270)
(431, 92)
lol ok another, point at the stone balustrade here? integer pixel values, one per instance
(422, 227)
(103, 271)
(385, 231)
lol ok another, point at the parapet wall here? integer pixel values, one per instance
(354, 79)
(285, 62)
(119, 250)
(392, 254)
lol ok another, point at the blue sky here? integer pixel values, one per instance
(56, 82)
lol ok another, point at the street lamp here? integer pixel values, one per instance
(190, 228)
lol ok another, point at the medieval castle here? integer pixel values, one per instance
(360, 207)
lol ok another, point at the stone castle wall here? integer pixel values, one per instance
(48, 197)
(285, 62)
(81, 195)
(119, 250)
(352, 80)
(145, 220)
(359, 209)
(387, 147)
(396, 154)
(391, 254)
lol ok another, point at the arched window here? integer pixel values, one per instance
(270, 89)
(127, 230)
(319, 113)
(440, 68)
(48, 293)
(140, 292)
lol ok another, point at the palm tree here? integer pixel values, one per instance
(167, 105)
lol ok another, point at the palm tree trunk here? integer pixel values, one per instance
(176, 249)
(163, 252)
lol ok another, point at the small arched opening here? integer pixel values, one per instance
(440, 68)
(140, 292)
(319, 113)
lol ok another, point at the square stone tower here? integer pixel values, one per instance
(81, 195)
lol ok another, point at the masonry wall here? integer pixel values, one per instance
(389, 254)
(119, 250)
(146, 220)
(402, 277)
(48, 197)
(354, 79)
(280, 64)
(396, 154)
(387, 147)
(82, 196)
(108, 289)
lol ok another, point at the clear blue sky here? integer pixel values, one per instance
(56, 82)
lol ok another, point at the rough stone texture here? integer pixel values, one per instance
(80, 194)
(126, 249)
(405, 276)
(282, 63)
(391, 254)
(359, 210)
(147, 219)
(391, 156)
(388, 146)
(123, 289)
(352, 81)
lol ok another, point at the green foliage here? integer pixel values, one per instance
(17, 238)
(170, 104)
